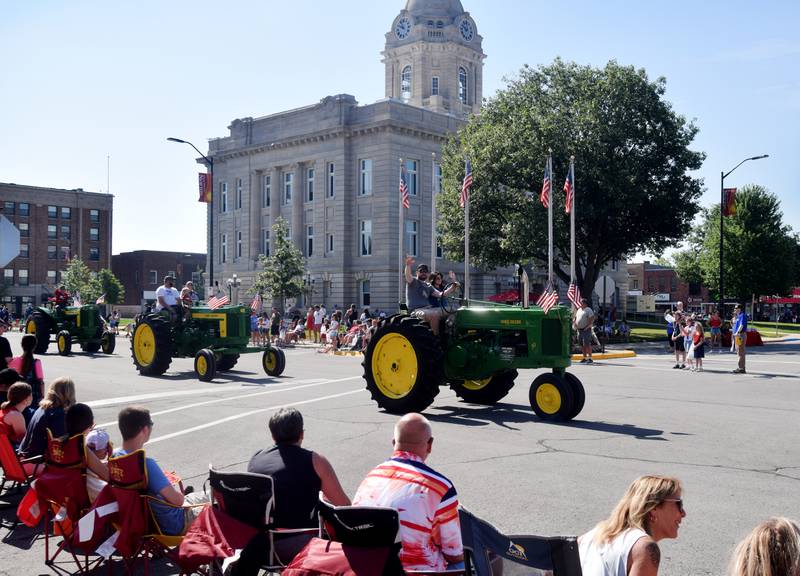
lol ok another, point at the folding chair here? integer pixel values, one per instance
(488, 552)
(15, 476)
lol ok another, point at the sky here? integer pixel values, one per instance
(90, 90)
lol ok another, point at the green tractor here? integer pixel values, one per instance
(478, 352)
(213, 337)
(81, 324)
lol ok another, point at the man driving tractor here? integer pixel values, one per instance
(418, 293)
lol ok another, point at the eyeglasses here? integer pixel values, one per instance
(678, 502)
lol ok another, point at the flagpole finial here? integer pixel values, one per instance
(572, 158)
(549, 151)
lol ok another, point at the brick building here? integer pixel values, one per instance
(55, 225)
(142, 271)
(663, 281)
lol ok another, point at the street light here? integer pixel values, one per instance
(724, 175)
(210, 163)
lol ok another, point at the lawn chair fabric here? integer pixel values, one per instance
(213, 535)
(328, 558)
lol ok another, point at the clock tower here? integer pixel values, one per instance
(434, 58)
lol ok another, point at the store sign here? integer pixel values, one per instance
(662, 297)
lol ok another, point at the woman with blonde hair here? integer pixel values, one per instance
(50, 414)
(771, 549)
(626, 544)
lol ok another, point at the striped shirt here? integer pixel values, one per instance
(428, 507)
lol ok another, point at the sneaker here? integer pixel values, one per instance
(739, 371)
(590, 361)
(691, 369)
(699, 369)
(683, 366)
(676, 366)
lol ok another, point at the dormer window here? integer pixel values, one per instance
(440, 24)
(405, 84)
(430, 24)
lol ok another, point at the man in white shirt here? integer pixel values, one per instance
(167, 297)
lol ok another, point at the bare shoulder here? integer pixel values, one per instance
(646, 552)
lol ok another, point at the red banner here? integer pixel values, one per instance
(729, 205)
(204, 186)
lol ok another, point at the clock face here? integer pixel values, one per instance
(403, 28)
(467, 32)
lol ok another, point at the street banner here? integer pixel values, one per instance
(729, 207)
(204, 187)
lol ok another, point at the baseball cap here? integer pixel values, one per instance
(168, 277)
(422, 267)
(97, 439)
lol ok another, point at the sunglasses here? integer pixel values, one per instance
(678, 502)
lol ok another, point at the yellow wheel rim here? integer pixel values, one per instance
(477, 384)
(144, 344)
(548, 398)
(62, 343)
(394, 366)
(201, 365)
(271, 362)
(30, 327)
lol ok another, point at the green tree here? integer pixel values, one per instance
(632, 160)
(106, 283)
(281, 276)
(760, 255)
(77, 277)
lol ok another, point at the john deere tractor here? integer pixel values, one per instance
(213, 337)
(478, 353)
(81, 324)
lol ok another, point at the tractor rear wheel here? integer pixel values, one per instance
(108, 341)
(39, 325)
(551, 397)
(402, 365)
(205, 365)
(488, 391)
(273, 361)
(64, 342)
(151, 347)
(578, 394)
(227, 362)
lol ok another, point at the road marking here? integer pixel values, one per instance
(251, 413)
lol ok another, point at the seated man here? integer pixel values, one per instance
(136, 426)
(419, 292)
(168, 298)
(61, 296)
(298, 475)
(426, 500)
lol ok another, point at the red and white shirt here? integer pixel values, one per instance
(427, 504)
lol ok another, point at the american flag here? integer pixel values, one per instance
(466, 185)
(404, 189)
(574, 294)
(218, 302)
(569, 189)
(549, 299)
(544, 197)
(76, 298)
(255, 306)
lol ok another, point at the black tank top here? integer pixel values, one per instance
(297, 485)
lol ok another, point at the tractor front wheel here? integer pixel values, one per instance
(402, 365)
(273, 361)
(205, 365)
(64, 342)
(488, 391)
(108, 341)
(150, 346)
(551, 397)
(578, 394)
(39, 325)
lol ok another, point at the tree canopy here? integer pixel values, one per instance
(77, 277)
(760, 252)
(632, 158)
(281, 276)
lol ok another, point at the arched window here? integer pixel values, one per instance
(462, 85)
(405, 84)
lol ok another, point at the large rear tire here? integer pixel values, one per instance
(402, 365)
(551, 397)
(39, 325)
(151, 346)
(488, 391)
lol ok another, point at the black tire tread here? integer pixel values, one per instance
(163, 356)
(227, 362)
(42, 323)
(492, 393)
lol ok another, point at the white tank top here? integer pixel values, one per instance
(609, 559)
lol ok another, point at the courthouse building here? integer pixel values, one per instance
(332, 169)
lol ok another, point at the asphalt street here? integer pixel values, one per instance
(731, 439)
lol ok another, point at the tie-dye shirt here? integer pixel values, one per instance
(428, 507)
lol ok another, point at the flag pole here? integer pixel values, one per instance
(433, 212)
(401, 292)
(466, 243)
(572, 221)
(550, 222)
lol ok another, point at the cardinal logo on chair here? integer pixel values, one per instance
(57, 453)
(117, 474)
(516, 551)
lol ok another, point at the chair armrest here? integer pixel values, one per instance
(33, 460)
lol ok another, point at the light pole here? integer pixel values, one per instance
(724, 175)
(210, 163)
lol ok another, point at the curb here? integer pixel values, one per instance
(607, 355)
(347, 353)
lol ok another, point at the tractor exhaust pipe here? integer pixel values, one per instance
(525, 287)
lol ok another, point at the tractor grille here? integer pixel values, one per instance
(551, 337)
(234, 322)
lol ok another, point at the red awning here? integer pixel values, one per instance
(509, 296)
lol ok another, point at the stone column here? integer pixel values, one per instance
(298, 230)
(275, 196)
(254, 228)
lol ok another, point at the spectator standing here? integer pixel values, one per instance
(771, 549)
(584, 320)
(715, 322)
(740, 335)
(677, 341)
(30, 371)
(699, 346)
(274, 325)
(688, 335)
(50, 414)
(310, 324)
(319, 317)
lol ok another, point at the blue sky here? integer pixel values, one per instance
(83, 80)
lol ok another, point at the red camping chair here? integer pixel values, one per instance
(15, 477)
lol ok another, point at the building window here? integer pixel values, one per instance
(435, 86)
(66, 212)
(239, 244)
(411, 237)
(635, 284)
(331, 180)
(411, 174)
(154, 277)
(94, 215)
(24, 251)
(288, 231)
(223, 194)
(661, 285)
(52, 252)
(310, 175)
(52, 212)
(172, 273)
(8, 208)
(239, 186)
(8, 276)
(365, 187)
(22, 277)
(24, 209)
(223, 253)
(65, 232)
(673, 284)
(52, 231)
(365, 227)
(94, 254)
(65, 252)
(24, 230)
(329, 243)
(365, 293)
(437, 180)
(405, 84)
(439, 249)
(265, 242)
(51, 276)
(266, 191)
(288, 184)
(94, 234)
(462, 85)
(309, 241)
